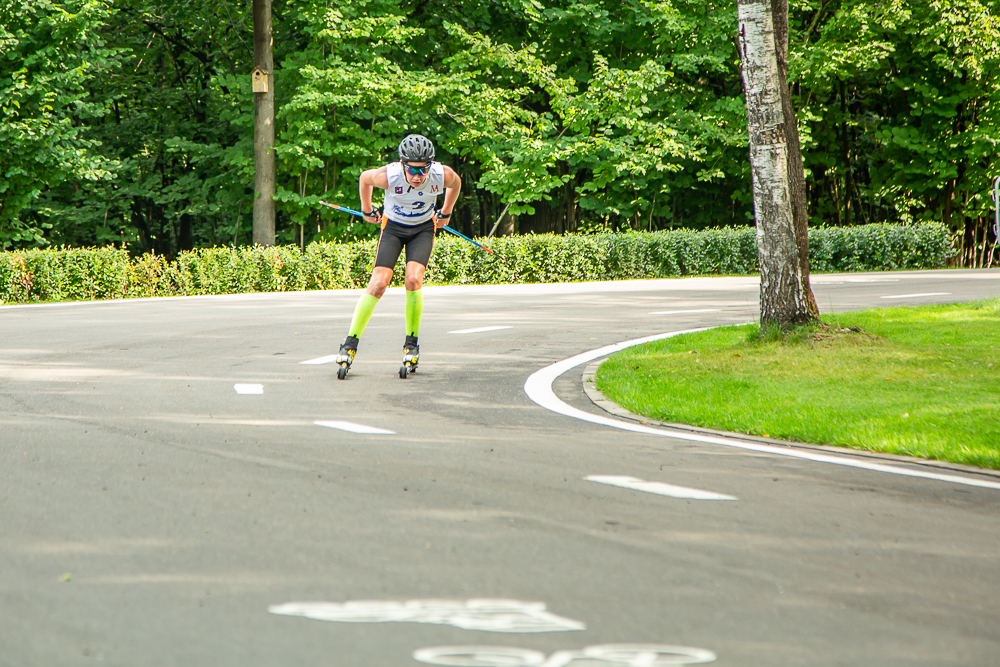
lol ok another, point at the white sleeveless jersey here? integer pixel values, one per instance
(406, 204)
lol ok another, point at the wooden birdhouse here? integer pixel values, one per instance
(259, 78)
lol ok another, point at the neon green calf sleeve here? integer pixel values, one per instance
(362, 313)
(414, 310)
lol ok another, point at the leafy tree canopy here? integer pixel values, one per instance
(130, 121)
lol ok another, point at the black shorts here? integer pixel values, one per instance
(417, 239)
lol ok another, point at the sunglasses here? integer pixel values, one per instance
(417, 171)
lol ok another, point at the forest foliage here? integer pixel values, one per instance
(129, 122)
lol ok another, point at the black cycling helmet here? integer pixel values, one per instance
(416, 148)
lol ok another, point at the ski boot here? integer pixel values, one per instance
(346, 356)
(411, 353)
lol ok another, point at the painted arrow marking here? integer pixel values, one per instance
(658, 488)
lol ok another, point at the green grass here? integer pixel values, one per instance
(921, 381)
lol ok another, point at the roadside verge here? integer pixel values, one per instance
(538, 388)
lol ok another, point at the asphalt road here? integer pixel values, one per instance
(152, 515)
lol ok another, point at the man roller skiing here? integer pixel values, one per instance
(408, 220)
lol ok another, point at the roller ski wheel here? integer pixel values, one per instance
(411, 355)
(345, 357)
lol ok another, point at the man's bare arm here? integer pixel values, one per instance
(371, 179)
(453, 185)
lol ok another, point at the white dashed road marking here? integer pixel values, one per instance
(487, 615)
(328, 359)
(914, 296)
(478, 330)
(679, 312)
(249, 389)
(658, 488)
(354, 428)
(538, 387)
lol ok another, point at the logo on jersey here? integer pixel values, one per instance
(435, 189)
(399, 189)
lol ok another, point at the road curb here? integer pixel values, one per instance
(609, 406)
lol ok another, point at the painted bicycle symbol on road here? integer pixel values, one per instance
(604, 655)
(494, 615)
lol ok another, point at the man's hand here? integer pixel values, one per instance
(372, 216)
(441, 219)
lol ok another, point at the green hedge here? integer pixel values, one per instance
(109, 273)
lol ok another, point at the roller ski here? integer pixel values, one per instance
(411, 353)
(346, 356)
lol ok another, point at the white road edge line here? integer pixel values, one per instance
(478, 330)
(249, 389)
(659, 488)
(914, 296)
(330, 358)
(538, 387)
(354, 428)
(678, 312)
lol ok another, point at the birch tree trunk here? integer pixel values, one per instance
(776, 165)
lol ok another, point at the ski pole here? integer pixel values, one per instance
(446, 228)
(463, 236)
(338, 207)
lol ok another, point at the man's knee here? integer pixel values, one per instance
(379, 281)
(414, 277)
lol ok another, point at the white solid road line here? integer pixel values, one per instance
(478, 330)
(914, 296)
(354, 428)
(538, 387)
(658, 488)
(330, 358)
(249, 389)
(678, 312)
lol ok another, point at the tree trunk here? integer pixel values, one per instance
(485, 211)
(796, 169)
(776, 165)
(570, 206)
(185, 239)
(263, 129)
(545, 219)
(845, 155)
(507, 226)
